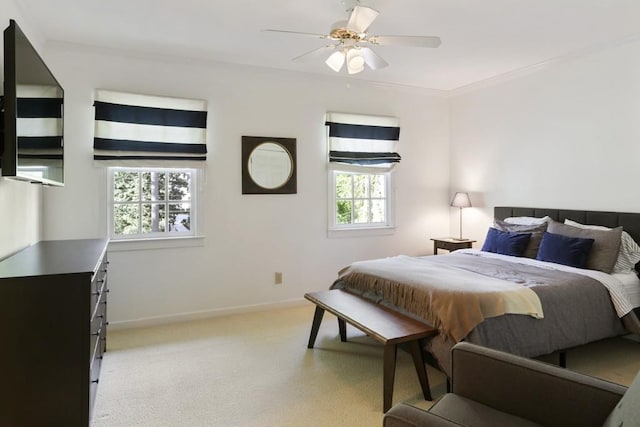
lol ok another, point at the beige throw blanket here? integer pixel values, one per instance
(452, 299)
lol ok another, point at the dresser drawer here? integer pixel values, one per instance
(99, 290)
(100, 275)
(97, 328)
(98, 350)
(94, 376)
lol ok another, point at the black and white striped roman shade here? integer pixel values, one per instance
(361, 142)
(133, 129)
(39, 125)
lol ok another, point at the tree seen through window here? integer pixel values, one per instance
(360, 198)
(146, 202)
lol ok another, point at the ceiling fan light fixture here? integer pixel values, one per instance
(350, 41)
(335, 61)
(355, 61)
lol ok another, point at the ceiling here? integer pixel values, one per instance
(481, 39)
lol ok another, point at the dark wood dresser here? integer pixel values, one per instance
(53, 324)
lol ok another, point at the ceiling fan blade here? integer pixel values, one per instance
(298, 33)
(372, 59)
(417, 41)
(321, 52)
(360, 19)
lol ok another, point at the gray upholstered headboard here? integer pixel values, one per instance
(630, 222)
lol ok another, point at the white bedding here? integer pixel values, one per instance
(616, 288)
(631, 284)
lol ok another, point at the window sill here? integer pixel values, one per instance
(157, 243)
(361, 232)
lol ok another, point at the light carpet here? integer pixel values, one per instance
(255, 370)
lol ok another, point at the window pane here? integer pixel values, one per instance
(343, 186)
(153, 217)
(343, 212)
(361, 198)
(361, 211)
(149, 203)
(377, 186)
(179, 186)
(378, 211)
(125, 186)
(125, 219)
(153, 186)
(179, 217)
(361, 186)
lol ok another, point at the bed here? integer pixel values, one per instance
(519, 304)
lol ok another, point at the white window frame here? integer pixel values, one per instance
(347, 230)
(196, 225)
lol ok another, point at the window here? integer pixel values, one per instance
(152, 203)
(360, 200)
(361, 154)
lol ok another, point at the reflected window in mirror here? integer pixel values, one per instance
(268, 165)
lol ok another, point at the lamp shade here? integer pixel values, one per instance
(461, 200)
(336, 60)
(355, 61)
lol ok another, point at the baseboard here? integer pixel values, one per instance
(196, 315)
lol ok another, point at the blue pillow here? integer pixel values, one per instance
(571, 251)
(506, 242)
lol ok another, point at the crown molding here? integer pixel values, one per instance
(540, 66)
(355, 82)
(349, 82)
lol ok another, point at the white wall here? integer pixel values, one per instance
(20, 202)
(248, 237)
(567, 136)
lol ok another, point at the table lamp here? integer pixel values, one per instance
(461, 200)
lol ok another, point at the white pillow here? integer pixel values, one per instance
(527, 220)
(629, 254)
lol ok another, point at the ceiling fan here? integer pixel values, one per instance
(351, 41)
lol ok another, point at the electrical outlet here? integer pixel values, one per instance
(278, 278)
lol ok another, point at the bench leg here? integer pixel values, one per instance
(342, 326)
(418, 361)
(317, 319)
(389, 373)
(562, 359)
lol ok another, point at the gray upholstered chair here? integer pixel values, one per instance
(492, 388)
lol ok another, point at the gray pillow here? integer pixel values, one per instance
(536, 234)
(606, 246)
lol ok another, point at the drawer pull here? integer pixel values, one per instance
(95, 381)
(97, 334)
(95, 293)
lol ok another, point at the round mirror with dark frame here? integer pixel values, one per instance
(268, 165)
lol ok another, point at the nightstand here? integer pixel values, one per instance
(450, 244)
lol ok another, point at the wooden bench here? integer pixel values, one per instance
(381, 323)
